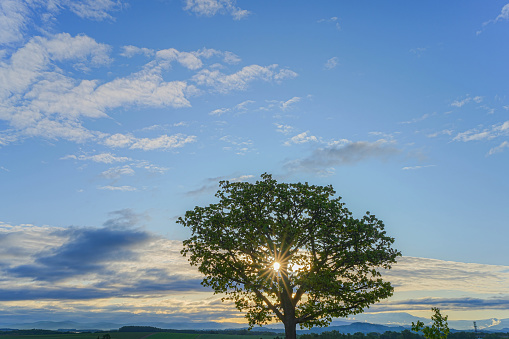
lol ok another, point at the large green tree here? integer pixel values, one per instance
(289, 252)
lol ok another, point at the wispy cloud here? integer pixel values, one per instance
(17, 16)
(504, 15)
(238, 109)
(499, 148)
(213, 7)
(331, 63)
(239, 145)
(333, 20)
(408, 168)
(124, 188)
(484, 134)
(415, 120)
(301, 138)
(238, 81)
(106, 158)
(323, 159)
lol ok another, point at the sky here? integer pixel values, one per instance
(117, 116)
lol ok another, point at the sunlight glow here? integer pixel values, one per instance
(276, 266)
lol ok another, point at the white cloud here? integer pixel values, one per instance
(130, 51)
(288, 104)
(478, 99)
(413, 121)
(239, 80)
(487, 133)
(239, 108)
(14, 15)
(331, 63)
(240, 146)
(93, 9)
(213, 7)
(119, 140)
(285, 129)
(416, 167)
(504, 14)
(445, 131)
(332, 20)
(17, 16)
(285, 74)
(118, 188)
(117, 172)
(499, 148)
(163, 142)
(301, 138)
(245, 177)
(460, 103)
(106, 158)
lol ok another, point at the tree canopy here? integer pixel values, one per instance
(289, 252)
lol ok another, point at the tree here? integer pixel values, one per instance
(288, 252)
(438, 330)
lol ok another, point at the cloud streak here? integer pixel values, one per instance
(342, 153)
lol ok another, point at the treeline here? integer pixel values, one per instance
(405, 334)
(156, 329)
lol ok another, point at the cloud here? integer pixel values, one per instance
(117, 172)
(93, 9)
(130, 51)
(407, 168)
(286, 105)
(331, 63)
(106, 158)
(116, 260)
(163, 142)
(87, 250)
(442, 132)
(124, 188)
(415, 120)
(211, 184)
(343, 153)
(285, 129)
(148, 144)
(18, 16)
(212, 7)
(485, 134)
(418, 51)
(460, 103)
(504, 15)
(499, 148)
(333, 20)
(239, 108)
(238, 81)
(41, 100)
(14, 15)
(119, 270)
(240, 145)
(301, 138)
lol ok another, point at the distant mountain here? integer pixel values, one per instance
(364, 323)
(356, 327)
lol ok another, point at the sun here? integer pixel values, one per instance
(276, 266)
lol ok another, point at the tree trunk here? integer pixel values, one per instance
(290, 329)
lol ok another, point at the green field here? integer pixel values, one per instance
(137, 335)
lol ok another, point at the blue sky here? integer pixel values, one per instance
(118, 116)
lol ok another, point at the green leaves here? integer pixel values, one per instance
(329, 261)
(438, 330)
